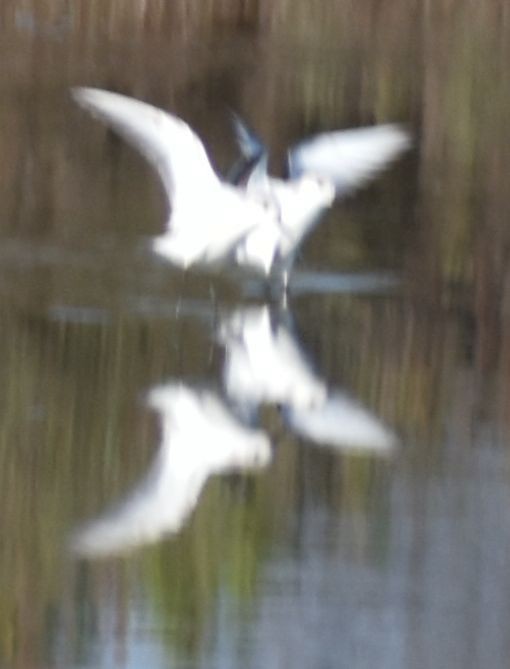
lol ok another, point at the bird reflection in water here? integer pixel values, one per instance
(265, 364)
(200, 437)
(341, 422)
(256, 221)
(203, 434)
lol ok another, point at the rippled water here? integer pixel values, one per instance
(194, 477)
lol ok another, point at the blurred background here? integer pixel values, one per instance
(325, 557)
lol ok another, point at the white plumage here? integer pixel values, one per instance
(200, 437)
(343, 423)
(261, 223)
(264, 364)
(207, 216)
(348, 158)
(321, 168)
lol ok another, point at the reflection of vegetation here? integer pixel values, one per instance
(49, 433)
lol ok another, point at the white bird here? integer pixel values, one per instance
(200, 437)
(320, 168)
(261, 223)
(208, 217)
(264, 363)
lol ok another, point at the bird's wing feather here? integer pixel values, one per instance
(348, 157)
(166, 141)
(247, 139)
(252, 166)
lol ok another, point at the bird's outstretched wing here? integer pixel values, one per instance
(166, 141)
(348, 157)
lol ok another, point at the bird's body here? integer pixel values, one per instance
(299, 204)
(264, 363)
(207, 228)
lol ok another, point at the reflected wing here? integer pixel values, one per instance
(168, 143)
(159, 505)
(343, 423)
(200, 437)
(348, 157)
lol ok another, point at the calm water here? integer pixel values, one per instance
(166, 504)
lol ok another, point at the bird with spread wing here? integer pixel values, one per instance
(259, 221)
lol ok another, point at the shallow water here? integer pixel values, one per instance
(372, 531)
